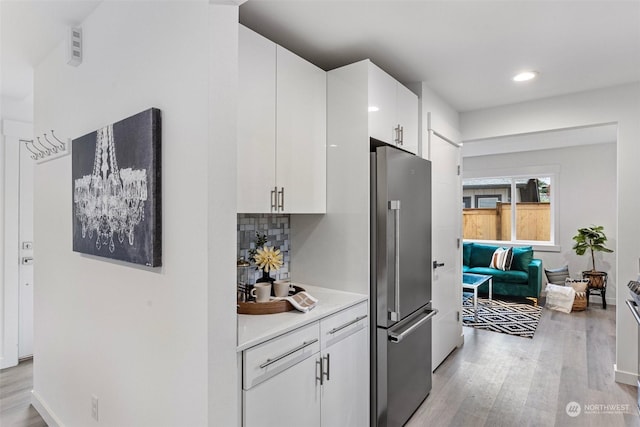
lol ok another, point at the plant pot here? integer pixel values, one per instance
(597, 279)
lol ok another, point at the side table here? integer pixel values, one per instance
(597, 285)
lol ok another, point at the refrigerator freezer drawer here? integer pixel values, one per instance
(403, 374)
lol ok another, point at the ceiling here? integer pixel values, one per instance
(466, 51)
(29, 30)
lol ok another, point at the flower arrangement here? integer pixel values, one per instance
(268, 258)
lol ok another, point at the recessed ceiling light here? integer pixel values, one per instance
(524, 76)
(373, 108)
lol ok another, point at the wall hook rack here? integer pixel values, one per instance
(48, 150)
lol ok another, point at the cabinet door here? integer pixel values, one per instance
(407, 103)
(345, 394)
(382, 106)
(301, 130)
(289, 398)
(256, 121)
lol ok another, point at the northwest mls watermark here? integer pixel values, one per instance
(573, 409)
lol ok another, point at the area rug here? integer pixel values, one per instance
(502, 316)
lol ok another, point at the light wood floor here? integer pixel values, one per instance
(15, 397)
(496, 379)
(493, 380)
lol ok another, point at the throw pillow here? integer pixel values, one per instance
(557, 276)
(501, 259)
(522, 257)
(580, 286)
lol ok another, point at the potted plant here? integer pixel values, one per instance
(592, 239)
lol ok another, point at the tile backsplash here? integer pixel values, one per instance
(276, 227)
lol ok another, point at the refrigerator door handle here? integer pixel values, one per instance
(393, 337)
(632, 306)
(394, 205)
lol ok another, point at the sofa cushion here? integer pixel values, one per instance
(522, 257)
(465, 268)
(511, 276)
(466, 253)
(481, 255)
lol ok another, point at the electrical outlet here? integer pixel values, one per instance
(94, 407)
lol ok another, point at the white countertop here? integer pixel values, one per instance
(255, 329)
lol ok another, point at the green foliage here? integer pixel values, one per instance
(592, 239)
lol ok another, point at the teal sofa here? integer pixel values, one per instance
(524, 279)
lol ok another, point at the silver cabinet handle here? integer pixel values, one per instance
(632, 306)
(398, 337)
(341, 327)
(280, 199)
(394, 205)
(401, 134)
(396, 140)
(321, 370)
(327, 358)
(288, 353)
(274, 202)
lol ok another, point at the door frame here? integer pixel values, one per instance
(12, 133)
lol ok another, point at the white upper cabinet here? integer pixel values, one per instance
(393, 111)
(382, 106)
(407, 103)
(301, 134)
(256, 121)
(281, 130)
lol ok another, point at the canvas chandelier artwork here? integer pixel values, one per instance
(116, 190)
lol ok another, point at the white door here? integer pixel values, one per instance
(25, 270)
(446, 248)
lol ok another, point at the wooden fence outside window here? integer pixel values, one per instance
(533, 222)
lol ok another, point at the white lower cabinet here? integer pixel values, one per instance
(316, 376)
(287, 399)
(345, 394)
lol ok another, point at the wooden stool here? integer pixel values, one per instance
(597, 285)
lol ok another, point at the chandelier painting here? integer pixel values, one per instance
(116, 208)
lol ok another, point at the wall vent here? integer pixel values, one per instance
(74, 46)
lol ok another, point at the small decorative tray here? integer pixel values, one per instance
(271, 307)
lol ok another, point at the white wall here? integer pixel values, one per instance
(585, 196)
(621, 105)
(332, 250)
(156, 346)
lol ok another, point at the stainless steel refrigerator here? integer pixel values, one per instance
(401, 309)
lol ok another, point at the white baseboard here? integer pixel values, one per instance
(624, 377)
(43, 409)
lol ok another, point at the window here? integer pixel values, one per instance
(488, 201)
(509, 209)
(466, 202)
